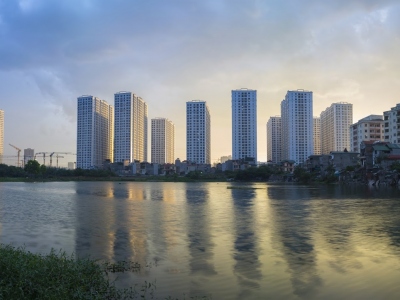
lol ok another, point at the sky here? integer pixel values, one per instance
(171, 52)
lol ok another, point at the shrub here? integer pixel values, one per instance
(25, 275)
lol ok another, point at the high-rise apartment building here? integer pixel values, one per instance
(130, 128)
(274, 139)
(94, 132)
(370, 128)
(29, 154)
(162, 141)
(392, 124)
(1, 135)
(244, 124)
(198, 137)
(297, 126)
(317, 136)
(335, 127)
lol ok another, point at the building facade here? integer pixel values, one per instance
(317, 136)
(274, 139)
(335, 127)
(94, 132)
(392, 125)
(130, 128)
(244, 124)
(370, 128)
(29, 154)
(162, 141)
(1, 135)
(297, 126)
(198, 137)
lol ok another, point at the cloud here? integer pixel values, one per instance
(170, 52)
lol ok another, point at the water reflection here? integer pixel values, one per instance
(293, 226)
(200, 242)
(110, 230)
(246, 252)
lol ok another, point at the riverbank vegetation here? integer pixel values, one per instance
(25, 275)
(33, 171)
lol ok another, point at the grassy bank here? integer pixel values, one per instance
(25, 275)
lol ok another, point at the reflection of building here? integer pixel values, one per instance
(274, 139)
(293, 237)
(28, 155)
(94, 132)
(199, 232)
(297, 126)
(335, 124)
(1, 135)
(198, 137)
(244, 124)
(109, 226)
(246, 249)
(130, 128)
(367, 129)
(162, 141)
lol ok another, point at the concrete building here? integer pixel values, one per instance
(297, 126)
(335, 127)
(94, 132)
(198, 137)
(244, 124)
(317, 136)
(29, 154)
(130, 128)
(1, 135)
(274, 139)
(71, 165)
(370, 128)
(392, 125)
(225, 158)
(162, 141)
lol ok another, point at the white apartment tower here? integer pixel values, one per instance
(274, 139)
(335, 127)
(1, 135)
(370, 128)
(162, 141)
(392, 124)
(317, 136)
(94, 132)
(198, 137)
(297, 126)
(130, 128)
(244, 124)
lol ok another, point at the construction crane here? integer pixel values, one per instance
(51, 158)
(44, 156)
(19, 153)
(58, 158)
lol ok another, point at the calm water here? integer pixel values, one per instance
(203, 239)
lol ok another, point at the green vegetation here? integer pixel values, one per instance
(262, 173)
(34, 171)
(24, 275)
(302, 175)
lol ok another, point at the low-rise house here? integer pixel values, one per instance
(318, 163)
(340, 160)
(287, 165)
(385, 154)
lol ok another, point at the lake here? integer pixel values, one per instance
(219, 240)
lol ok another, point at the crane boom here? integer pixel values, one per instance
(18, 151)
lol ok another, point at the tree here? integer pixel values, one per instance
(32, 167)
